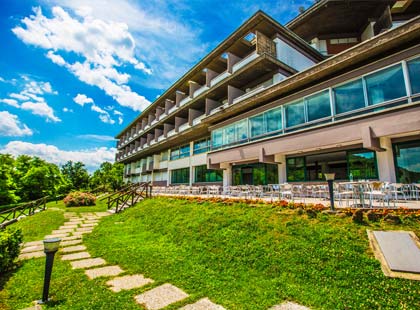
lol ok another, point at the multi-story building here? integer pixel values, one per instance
(337, 89)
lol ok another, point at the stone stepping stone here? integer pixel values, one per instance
(71, 238)
(89, 225)
(62, 231)
(75, 256)
(33, 248)
(160, 297)
(56, 236)
(70, 242)
(107, 271)
(75, 248)
(31, 255)
(87, 263)
(81, 233)
(89, 229)
(400, 250)
(128, 282)
(203, 304)
(32, 243)
(91, 222)
(68, 226)
(288, 305)
(102, 214)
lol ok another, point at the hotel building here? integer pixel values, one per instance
(337, 89)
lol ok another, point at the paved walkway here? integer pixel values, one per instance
(73, 251)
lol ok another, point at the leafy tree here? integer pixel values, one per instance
(76, 174)
(7, 183)
(109, 176)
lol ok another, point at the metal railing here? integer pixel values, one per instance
(10, 216)
(128, 196)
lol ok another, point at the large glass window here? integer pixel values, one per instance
(273, 120)
(295, 168)
(414, 73)
(256, 125)
(407, 161)
(180, 176)
(385, 85)
(255, 174)
(295, 114)
(349, 97)
(180, 152)
(217, 138)
(318, 106)
(164, 156)
(362, 165)
(241, 130)
(202, 175)
(201, 146)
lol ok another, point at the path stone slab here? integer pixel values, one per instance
(81, 233)
(89, 225)
(56, 236)
(87, 263)
(62, 231)
(107, 271)
(160, 297)
(71, 238)
(91, 222)
(202, 304)
(400, 250)
(68, 226)
(75, 256)
(70, 242)
(33, 248)
(75, 248)
(32, 255)
(128, 282)
(289, 306)
(102, 214)
(89, 229)
(32, 243)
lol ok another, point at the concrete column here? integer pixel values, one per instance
(386, 167)
(281, 160)
(227, 175)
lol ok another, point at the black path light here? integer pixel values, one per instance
(330, 179)
(50, 248)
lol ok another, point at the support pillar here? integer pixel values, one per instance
(385, 160)
(281, 160)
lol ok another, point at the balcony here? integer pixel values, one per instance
(199, 91)
(172, 109)
(198, 119)
(153, 122)
(245, 61)
(219, 78)
(185, 101)
(171, 133)
(161, 138)
(184, 127)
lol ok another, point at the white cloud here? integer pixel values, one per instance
(103, 45)
(82, 99)
(2, 80)
(120, 120)
(19, 96)
(41, 109)
(11, 102)
(116, 112)
(67, 110)
(92, 158)
(96, 137)
(10, 126)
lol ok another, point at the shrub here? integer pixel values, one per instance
(10, 240)
(76, 199)
(358, 216)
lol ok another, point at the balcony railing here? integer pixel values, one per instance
(219, 78)
(198, 119)
(184, 101)
(199, 91)
(171, 133)
(184, 126)
(244, 61)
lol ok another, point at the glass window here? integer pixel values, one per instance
(174, 154)
(407, 161)
(164, 156)
(385, 85)
(181, 152)
(180, 176)
(202, 174)
(362, 165)
(414, 73)
(318, 106)
(295, 114)
(201, 146)
(349, 97)
(255, 174)
(229, 134)
(256, 125)
(295, 169)
(241, 130)
(217, 138)
(273, 120)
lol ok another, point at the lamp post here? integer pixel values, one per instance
(50, 248)
(330, 179)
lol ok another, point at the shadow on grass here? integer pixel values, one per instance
(4, 277)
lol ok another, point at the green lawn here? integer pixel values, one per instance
(240, 256)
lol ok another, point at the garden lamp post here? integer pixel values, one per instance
(330, 179)
(50, 248)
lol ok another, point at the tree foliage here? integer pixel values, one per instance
(76, 174)
(108, 176)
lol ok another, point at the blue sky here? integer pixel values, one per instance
(74, 73)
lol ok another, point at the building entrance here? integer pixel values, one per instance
(255, 174)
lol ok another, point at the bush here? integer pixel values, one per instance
(76, 199)
(10, 240)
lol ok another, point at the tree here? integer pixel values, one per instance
(7, 183)
(76, 174)
(109, 176)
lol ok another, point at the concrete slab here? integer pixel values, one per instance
(87, 263)
(128, 282)
(62, 231)
(68, 226)
(32, 243)
(75, 256)
(81, 233)
(202, 304)
(160, 297)
(33, 248)
(75, 248)
(88, 229)
(71, 238)
(56, 236)
(289, 306)
(70, 242)
(107, 271)
(91, 221)
(102, 214)
(400, 251)
(89, 225)
(31, 255)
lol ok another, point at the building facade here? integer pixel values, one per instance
(337, 89)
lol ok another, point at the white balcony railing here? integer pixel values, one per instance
(172, 109)
(184, 126)
(244, 61)
(198, 119)
(152, 142)
(219, 78)
(199, 91)
(184, 101)
(171, 133)
(160, 138)
(153, 122)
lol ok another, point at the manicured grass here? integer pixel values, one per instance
(240, 256)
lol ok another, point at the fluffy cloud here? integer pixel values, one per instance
(100, 45)
(92, 158)
(82, 99)
(10, 126)
(96, 137)
(31, 98)
(67, 110)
